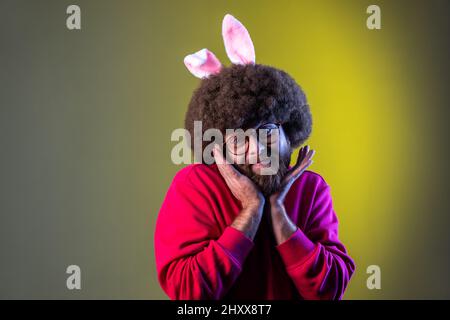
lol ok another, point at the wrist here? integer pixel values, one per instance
(256, 204)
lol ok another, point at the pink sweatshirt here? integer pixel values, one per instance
(200, 256)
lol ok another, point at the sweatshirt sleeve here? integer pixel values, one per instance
(194, 259)
(314, 258)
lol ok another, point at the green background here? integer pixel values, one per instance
(86, 118)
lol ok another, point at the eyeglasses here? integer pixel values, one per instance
(238, 143)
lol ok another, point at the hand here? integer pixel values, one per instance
(240, 185)
(303, 161)
(282, 225)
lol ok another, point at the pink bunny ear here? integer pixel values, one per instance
(202, 63)
(238, 44)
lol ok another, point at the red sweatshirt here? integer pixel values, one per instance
(200, 256)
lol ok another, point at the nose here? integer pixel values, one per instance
(255, 150)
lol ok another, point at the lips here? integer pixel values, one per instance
(260, 165)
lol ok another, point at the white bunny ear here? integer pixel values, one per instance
(238, 44)
(202, 63)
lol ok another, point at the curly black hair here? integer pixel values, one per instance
(241, 96)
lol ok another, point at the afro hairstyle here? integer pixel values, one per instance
(242, 96)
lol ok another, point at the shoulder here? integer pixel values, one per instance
(196, 170)
(197, 175)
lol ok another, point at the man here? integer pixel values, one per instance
(227, 231)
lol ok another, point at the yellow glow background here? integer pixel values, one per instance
(87, 117)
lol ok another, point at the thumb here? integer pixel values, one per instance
(218, 157)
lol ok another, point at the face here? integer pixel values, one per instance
(254, 155)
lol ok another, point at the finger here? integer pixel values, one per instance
(309, 155)
(307, 158)
(299, 170)
(298, 162)
(293, 176)
(302, 154)
(218, 157)
(226, 169)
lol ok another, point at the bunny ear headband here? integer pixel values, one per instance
(238, 45)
